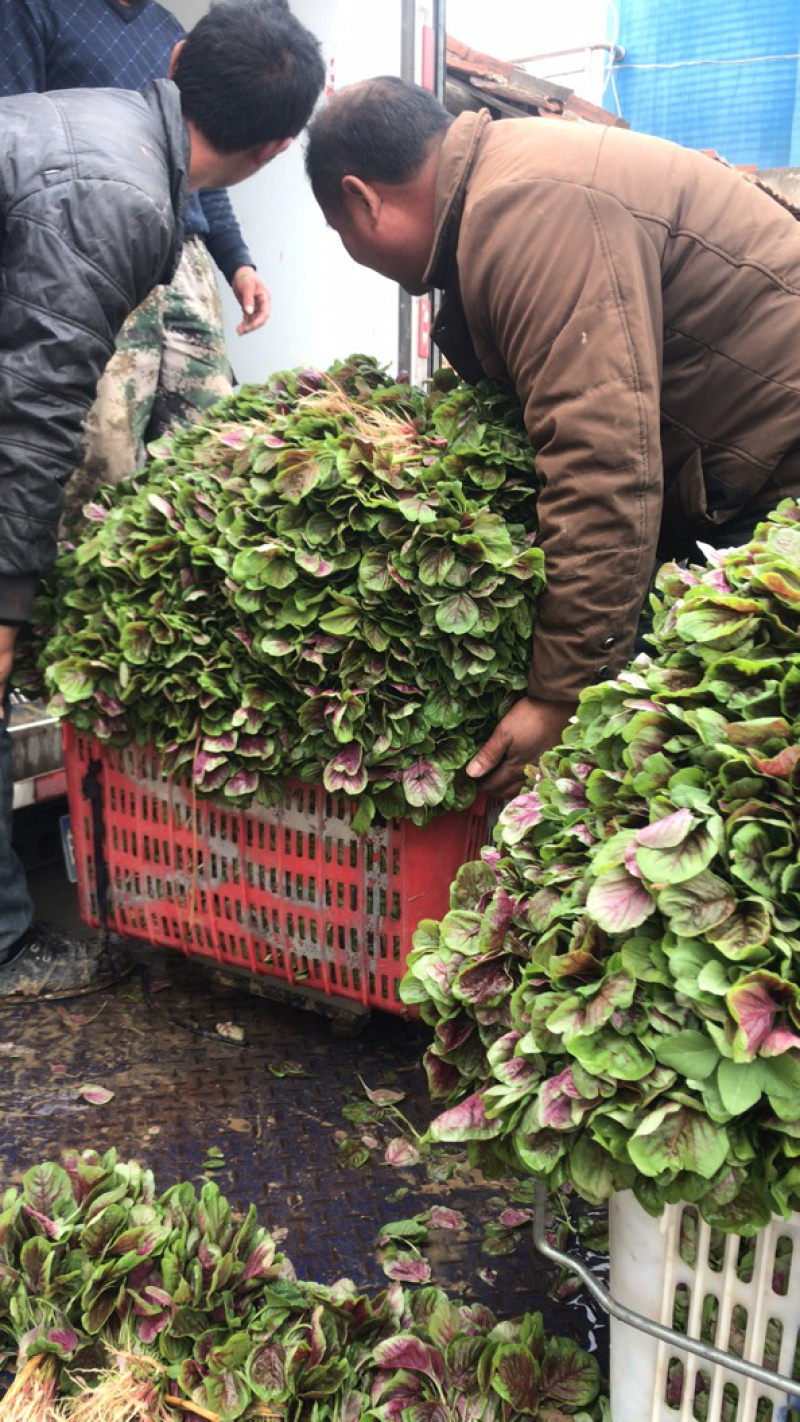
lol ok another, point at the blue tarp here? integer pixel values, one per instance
(747, 110)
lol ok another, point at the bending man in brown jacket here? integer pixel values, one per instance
(644, 303)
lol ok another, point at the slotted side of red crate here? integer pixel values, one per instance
(291, 892)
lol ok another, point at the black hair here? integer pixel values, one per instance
(379, 131)
(248, 73)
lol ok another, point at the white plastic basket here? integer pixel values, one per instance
(740, 1295)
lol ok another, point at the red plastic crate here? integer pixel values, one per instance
(292, 892)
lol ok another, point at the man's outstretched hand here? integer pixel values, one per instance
(253, 297)
(528, 729)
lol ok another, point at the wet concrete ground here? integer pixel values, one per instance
(180, 1088)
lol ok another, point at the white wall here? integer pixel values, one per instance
(323, 305)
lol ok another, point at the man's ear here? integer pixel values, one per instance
(362, 197)
(174, 57)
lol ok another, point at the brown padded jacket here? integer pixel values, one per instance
(643, 301)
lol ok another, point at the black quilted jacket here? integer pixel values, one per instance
(92, 194)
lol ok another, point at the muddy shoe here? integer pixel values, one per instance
(49, 964)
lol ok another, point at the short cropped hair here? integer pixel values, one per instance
(379, 131)
(248, 73)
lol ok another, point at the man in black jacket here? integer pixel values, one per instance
(171, 361)
(93, 188)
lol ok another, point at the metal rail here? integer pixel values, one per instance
(47, 721)
(612, 1306)
(615, 50)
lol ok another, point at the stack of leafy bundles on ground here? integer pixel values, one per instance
(332, 577)
(616, 990)
(134, 1298)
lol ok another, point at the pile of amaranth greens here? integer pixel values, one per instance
(117, 1299)
(615, 993)
(332, 577)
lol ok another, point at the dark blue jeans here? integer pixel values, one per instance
(16, 908)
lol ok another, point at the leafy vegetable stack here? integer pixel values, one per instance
(333, 577)
(616, 990)
(138, 1302)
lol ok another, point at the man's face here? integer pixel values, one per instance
(236, 167)
(396, 245)
(233, 168)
